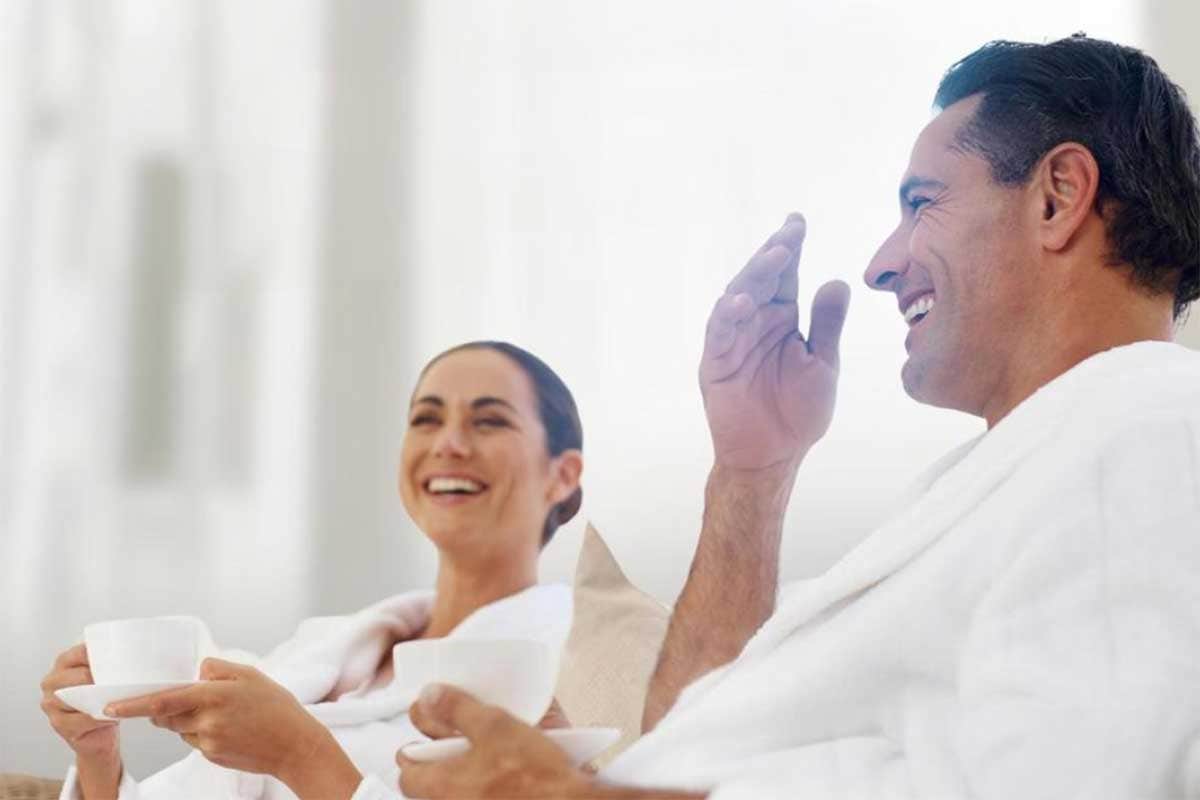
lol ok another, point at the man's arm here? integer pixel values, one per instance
(731, 588)
(769, 396)
(507, 758)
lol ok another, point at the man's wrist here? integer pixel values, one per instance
(771, 484)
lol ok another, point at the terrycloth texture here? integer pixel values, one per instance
(1027, 627)
(612, 649)
(337, 657)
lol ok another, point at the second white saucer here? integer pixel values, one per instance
(580, 744)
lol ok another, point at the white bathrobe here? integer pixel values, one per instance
(339, 656)
(1026, 627)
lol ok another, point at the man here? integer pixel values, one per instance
(1028, 624)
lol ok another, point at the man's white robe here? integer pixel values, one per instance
(1026, 627)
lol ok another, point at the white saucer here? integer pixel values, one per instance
(91, 699)
(580, 744)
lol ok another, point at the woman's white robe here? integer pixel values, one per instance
(339, 656)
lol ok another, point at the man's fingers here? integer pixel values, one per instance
(424, 721)
(730, 311)
(829, 308)
(423, 778)
(159, 704)
(769, 274)
(445, 705)
(773, 321)
(761, 277)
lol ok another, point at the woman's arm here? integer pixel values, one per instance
(240, 719)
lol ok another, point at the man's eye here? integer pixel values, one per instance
(916, 202)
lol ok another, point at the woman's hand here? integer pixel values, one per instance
(555, 718)
(241, 719)
(96, 743)
(90, 738)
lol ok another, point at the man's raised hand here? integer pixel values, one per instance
(768, 392)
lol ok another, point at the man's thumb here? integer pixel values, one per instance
(829, 307)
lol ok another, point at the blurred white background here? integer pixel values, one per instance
(231, 233)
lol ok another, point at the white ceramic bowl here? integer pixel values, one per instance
(515, 674)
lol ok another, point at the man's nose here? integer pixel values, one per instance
(889, 262)
(452, 442)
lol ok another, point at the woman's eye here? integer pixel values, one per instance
(491, 422)
(423, 419)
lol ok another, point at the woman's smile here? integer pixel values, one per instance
(453, 489)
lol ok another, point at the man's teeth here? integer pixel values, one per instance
(456, 485)
(919, 308)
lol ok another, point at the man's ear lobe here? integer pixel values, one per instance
(1068, 178)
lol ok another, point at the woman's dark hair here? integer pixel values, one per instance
(558, 413)
(1116, 102)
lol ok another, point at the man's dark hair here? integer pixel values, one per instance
(1116, 102)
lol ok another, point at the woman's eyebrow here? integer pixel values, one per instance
(429, 399)
(483, 402)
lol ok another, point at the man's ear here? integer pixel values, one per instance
(568, 469)
(1067, 180)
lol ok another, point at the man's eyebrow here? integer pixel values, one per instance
(917, 182)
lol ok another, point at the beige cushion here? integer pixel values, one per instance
(25, 787)
(612, 649)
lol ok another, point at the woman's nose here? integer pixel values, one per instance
(452, 442)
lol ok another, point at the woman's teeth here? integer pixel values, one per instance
(454, 486)
(918, 309)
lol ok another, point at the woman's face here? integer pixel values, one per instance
(474, 470)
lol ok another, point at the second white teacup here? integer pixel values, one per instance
(515, 674)
(145, 650)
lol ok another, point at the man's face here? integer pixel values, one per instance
(961, 265)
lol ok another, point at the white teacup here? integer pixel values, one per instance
(145, 650)
(515, 674)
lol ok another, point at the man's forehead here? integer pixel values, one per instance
(937, 141)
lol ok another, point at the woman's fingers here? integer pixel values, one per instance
(179, 723)
(75, 656)
(72, 676)
(163, 704)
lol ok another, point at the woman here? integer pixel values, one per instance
(490, 467)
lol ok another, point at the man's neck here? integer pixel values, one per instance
(1070, 342)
